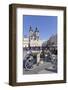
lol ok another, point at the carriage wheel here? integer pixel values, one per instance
(29, 64)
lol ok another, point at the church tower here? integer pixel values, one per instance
(36, 34)
(30, 33)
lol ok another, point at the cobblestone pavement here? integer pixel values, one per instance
(40, 69)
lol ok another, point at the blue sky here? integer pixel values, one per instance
(47, 25)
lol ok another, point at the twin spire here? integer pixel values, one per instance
(36, 29)
(33, 35)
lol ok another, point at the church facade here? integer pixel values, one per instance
(33, 40)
